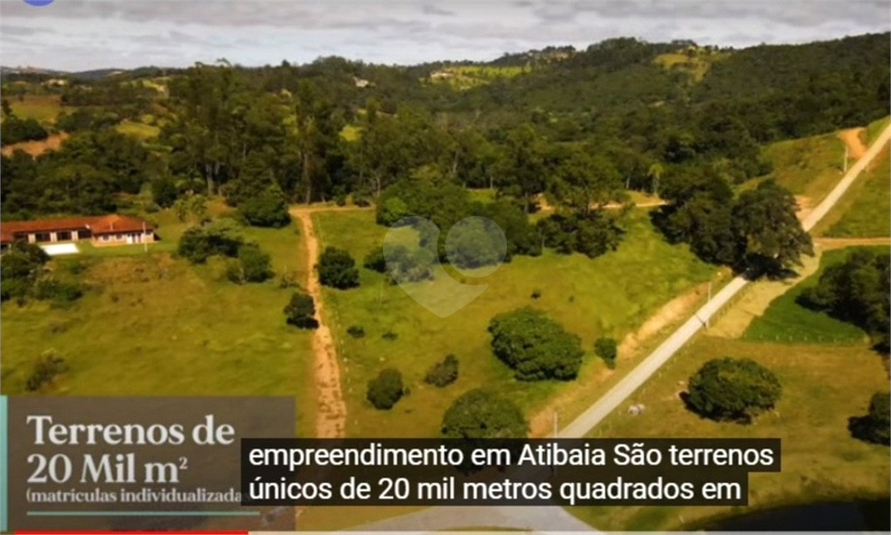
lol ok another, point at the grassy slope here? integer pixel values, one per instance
(138, 130)
(787, 321)
(156, 325)
(695, 65)
(606, 296)
(44, 108)
(822, 387)
(875, 128)
(809, 166)
(863, 211)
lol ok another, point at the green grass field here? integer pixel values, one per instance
(138, 130)
(809, 166)
(823, 385)
(609, 295)
(787, 321)
(863, 211)
(467, 76)
(875, 128)
(44, 108)
(153, 324)
(695, 65)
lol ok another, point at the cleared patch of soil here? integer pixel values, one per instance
(36, 148)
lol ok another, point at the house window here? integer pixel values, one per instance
(105, 237)
(63, 235)
(42, 236)
(119, 237)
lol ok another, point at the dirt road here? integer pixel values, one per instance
(331, 416)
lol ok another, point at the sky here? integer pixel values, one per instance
(72, 35)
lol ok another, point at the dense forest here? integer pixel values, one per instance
(579, 127)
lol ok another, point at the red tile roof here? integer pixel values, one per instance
(105, 224)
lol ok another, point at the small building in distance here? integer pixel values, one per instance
(105, 230)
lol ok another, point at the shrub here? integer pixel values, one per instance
(375, 261)
(356, 331)
(389, 336)
(337, 269)
(732, 389)
(535, 346)
(361, 199)
(386, 389)
(593, 234)
(536, 294)
(252, 265)
(300, 311)
(288, 280)
(875, 427)
(16, 130)
(46, 368)
(607, 349)
(443, 373)
(266, 209)
(199, 243)
(392, 210)
(480, 413)
(57, 291)
(475, 242)
(856, 291)
(405, 265)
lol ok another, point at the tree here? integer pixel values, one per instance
(522, 166)
(480, 413)
(475, 242)
(443, 373)
(585, 181)
(164, 192)
(765, 221)
(191, 206)
(251, 265)
(732, 389)
(301, 311)
(856, 291)
(337, 269)
(535, 346)
(385, 389)
(198, 243)
(875, 427)
(655, 174)
(266, 209)
(607, 349)
(20, 267)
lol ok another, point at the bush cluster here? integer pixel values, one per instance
(443, 373)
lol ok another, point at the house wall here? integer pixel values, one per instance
(107, 240)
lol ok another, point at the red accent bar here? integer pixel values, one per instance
(130, 532)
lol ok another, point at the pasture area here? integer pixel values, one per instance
(823, 385)
(694, 61)
(152, 324)
(863, 210)
(808, 167)
(875, 128)
(607, 296)
(787, 321)
(43, 108)
(138, 130)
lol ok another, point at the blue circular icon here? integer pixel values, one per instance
(38, 3)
